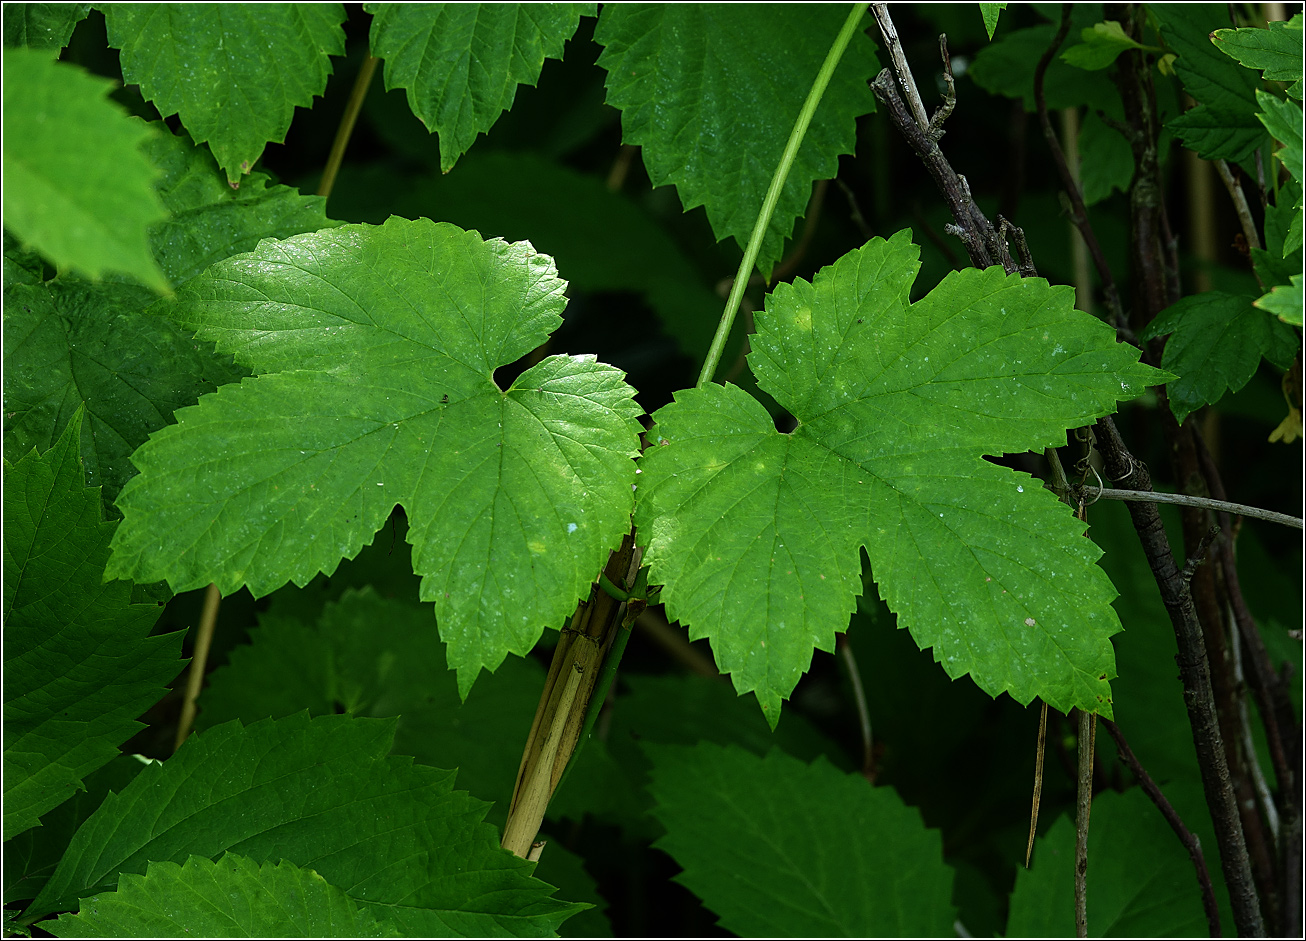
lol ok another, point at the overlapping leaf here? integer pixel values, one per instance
(378, 346)
(779, 848)
(461, 63)
(1276, 50)
(1140, 880)
(1217, 342)
(233, 897)
(42, 25)
(233, 72)
(756, 534)
(80, 665)
(400, 841)
(704, 94)
(1224, 125)
(71, 343)
(77, 187)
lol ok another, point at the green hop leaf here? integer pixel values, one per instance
(990, 13)
(233, 897)
(233, 72)
(42, 25)
(80, 664)
(779, 848)
(77, 187)
(719, 135)
(320, 794)
(461, 63)
(1284, 301)
(376, 348)
(1275, 50)
(756, 534)
(1217, 344)
(1102, 44)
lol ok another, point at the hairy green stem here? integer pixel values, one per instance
(773, 194)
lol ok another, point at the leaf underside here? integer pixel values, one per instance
(756, 534)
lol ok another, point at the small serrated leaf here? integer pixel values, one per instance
(1275, 50)
(1217, 342)
(719, 135)
(233, 72)
(460, 63)
(232, 897)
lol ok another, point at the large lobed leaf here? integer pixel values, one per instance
(704, 93)
(233, 72)
(755, 534)
(378, 346)
(80, 665)
(231, 898)
(461, 63)
(71, 343)
(77, 187)
(779, 848)
(320, 794)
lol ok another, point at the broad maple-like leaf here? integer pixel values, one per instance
(755, 534)
(233, 72)
(377, 347)
(461, 63)
(704, 93)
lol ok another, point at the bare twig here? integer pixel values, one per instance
(1186, 836)
(346, 128)
(1184, 499)
(906, 84)
(621, 166)
(1244, 211)
(855, 211)
(1195, 674)
(199, 660)
(1199, 555)
(1083, 806)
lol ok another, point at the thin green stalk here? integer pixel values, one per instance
(773, 194)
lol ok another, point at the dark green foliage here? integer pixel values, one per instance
(383, 422)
